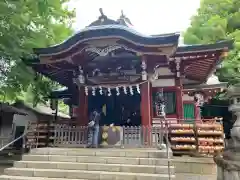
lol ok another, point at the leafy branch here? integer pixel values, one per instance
(24, 25)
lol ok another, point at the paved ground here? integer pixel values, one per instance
(187, 176)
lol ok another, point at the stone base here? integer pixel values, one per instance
(193, 168)
(228, 165)
(197, 166)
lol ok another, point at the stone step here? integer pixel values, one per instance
(95, 167)
(6, 162)
(82, 174)
(6, 177)
(10, 152)
(98, 159)
(143, 153)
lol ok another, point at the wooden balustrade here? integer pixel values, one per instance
(65, 135)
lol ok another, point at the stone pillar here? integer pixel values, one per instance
(229, 162)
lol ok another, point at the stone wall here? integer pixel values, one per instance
(195, 168)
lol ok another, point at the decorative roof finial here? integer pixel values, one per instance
(122, 14)
(124, 20)
(101, 12)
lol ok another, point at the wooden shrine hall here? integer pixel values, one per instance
(109, 65)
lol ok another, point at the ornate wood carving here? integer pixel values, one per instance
(105, 50)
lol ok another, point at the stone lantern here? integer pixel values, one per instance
(229, 162)
(234, 97)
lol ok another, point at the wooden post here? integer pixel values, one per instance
(82, 118)
(179, 103)
(179, 93)
(146, 104)
(146, 113)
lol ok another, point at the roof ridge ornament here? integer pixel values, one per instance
(124, 20)
(101, 12)
(102, 17)
(122, 14)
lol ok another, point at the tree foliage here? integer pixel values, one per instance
(218, 20)
(24, 25)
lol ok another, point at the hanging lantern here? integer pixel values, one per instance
(131, 90)
(117, 90)
(100, 90)
(74, 80)
(144, 72)
(86, 90)
(81, 78)
(125, 89)
(144, 75)
(138, 88)
(199, 99)
(160, 104)
(93, 91)
(109, 92)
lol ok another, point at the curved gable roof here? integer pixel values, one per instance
(105, 27)
(112, 31)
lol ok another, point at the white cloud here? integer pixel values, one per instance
(147, 16)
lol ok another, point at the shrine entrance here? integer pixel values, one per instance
(117, 109)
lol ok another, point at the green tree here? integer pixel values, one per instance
(218, 20)
(24, 25)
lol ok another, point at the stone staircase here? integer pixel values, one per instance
(8, 156)
(92, 164)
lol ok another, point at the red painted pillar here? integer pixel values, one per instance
(179, 86)
(179, 99)
(83, 108)
(179, 103)
(146, 104)
(146, 113)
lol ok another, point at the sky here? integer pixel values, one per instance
(149, 17)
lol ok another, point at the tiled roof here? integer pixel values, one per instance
(41, 109)
(5, 107)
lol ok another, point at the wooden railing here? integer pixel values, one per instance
(58, 135)
(62, 135)
(69, 135)
(142, 136)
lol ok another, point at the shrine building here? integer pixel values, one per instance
(111, 66)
